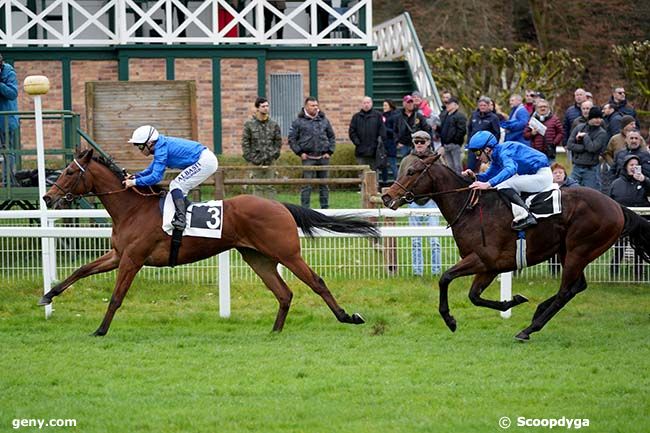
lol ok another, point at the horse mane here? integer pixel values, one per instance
(113, 167)
(436, 159)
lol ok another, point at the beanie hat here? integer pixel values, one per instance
(595, 113)
(626, 120)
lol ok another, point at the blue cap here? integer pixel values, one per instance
(480, 140)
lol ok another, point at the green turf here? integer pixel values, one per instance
(170, 364)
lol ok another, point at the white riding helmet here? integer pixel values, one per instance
(144, 134)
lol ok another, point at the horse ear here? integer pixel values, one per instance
(88, 155)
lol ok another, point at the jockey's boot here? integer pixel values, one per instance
(522, 216)
(179, 222)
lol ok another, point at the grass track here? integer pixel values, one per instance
(169, 364)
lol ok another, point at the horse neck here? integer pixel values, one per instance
(119, 205)
(450, 203)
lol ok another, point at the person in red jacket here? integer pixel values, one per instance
(544, 140)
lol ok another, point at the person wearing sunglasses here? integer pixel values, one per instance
(421, 150)
(620, 104)
(196, 161)
(514, 168)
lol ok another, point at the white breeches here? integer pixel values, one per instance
(196, 173)
(538, 182)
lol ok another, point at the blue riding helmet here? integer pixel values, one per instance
(481, 140)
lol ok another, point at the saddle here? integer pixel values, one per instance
(204, 219)
(544, 204)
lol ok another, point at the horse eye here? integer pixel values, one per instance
(410, 172)
(69, 172)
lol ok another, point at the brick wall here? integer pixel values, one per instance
(53, 100)
(340, 90)
(200, 70)
(87, 70)
(147, 69)
(238, 93)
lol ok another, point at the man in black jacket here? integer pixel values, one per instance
(312, 138)
(453, 127)
(586, 143)
(408, 122)
(619, 103)
(366, 131)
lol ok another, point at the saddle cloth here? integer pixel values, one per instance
(544, 204)
(204, 219)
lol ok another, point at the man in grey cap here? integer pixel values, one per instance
(421, 149)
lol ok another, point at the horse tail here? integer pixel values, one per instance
(308, 220)
(637, 229)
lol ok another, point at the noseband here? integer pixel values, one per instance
(67, 195)
(408, 196)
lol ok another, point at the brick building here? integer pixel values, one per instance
(229, 72)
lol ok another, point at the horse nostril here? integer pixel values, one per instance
(48, 200)
(386, 199)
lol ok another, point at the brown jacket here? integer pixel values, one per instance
(616, 143)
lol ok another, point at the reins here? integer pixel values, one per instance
(68, 196)
(472, 198)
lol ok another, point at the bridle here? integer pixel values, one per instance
(69, 196)
(409, 196)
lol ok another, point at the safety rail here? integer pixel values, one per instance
(122, 22)
(397, 38)
(341, 255)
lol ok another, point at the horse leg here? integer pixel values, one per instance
(576, 288)
(570, 287)
(266, 268)
(125, 275)
(297, 265)
(480, 283)
(105, 263)
(469, 265)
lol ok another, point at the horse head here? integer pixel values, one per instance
(422, 178)
(75, 180)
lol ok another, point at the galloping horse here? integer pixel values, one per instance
(590, 223)
(263, 231)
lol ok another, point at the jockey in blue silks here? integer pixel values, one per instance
(195, 160)
(514, 168)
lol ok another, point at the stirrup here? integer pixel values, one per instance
(529, 221)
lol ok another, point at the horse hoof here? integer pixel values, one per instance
(98, 333)
(357, 319)
(44, 301)
(519, 299)
(451, 323)
(522, 336)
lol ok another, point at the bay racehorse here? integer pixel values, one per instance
(590, 223)
(265, 232)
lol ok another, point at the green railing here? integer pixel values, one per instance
(13, 153)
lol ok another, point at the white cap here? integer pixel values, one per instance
(144, 134)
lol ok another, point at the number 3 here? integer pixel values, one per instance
(214, 221)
